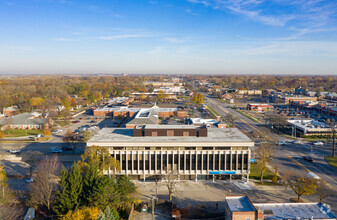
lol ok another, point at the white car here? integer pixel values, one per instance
(320, 143)
(282, 143)
(57, 131)
(14, 151)
(29, 180)
(56, 150)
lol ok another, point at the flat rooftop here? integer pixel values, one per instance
(239, 204)
(215, 137)
(295, 211)
(310, 125)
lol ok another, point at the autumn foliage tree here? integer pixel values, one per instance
(264, 152)
(86, 213)
(300, 185)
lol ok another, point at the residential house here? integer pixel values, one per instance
(25, 121)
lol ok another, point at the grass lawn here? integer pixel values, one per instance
(255, 172)
(332, 161)
(61, 123)
(21, 132)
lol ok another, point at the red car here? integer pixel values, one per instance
(77, 121)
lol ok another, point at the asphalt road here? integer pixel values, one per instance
(295, 151)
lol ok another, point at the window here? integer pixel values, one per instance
(153, 161)
(141, 161)
(247, 218)
(194, 162)
(158, 162)
(204, 161)
(181, 161)
(170, 133)
(188, 159)
(154, 134)
(186, 133)
(199, 161)
(135, 164)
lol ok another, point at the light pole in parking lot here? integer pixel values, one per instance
(333, 129)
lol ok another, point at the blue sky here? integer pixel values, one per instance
(168, 36)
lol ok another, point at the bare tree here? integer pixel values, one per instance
(323, 191)
(72, 140)
(31, 158)
(230, 118)
(170, 181)
(275, 120)
(9, 205)
(44, 187)
(264, 153)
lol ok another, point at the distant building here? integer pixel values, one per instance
(137, 96)
(250, 92)
(259, 107)
(130, 112)
(25, 121)
(289, 99)
(10, 111)
(241, 208)
(159, 84)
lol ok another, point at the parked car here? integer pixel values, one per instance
(297, 142)
(282, 143)
(318, 143)
(56, 150)
(92, 121)
(14, 151)
(308, 158)
(29, 180)
(57, 131)
(77, 121)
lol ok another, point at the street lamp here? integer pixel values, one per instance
(333, 129)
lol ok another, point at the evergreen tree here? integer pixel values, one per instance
(105, 193)
(90, 184)
(108, 214)
(75, 182)
(126, 190)
(63, 204)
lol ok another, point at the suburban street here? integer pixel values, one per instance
(287, 154)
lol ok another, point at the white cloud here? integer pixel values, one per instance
(116, 37)
(305, 13)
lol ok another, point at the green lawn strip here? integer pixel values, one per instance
(61, 123)
(332, 161)
(248, 116)
(255, 172)
(21, 132)
(212, 112)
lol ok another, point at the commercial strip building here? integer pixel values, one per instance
(259, 107)
(241, 208)
(130, 112)
(191, 152)
(309, 127)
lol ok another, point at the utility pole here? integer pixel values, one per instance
(152, 208)
(333, 140)
(157, 189)
(333, 129)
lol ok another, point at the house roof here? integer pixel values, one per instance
(23, 119)
(239, 204)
